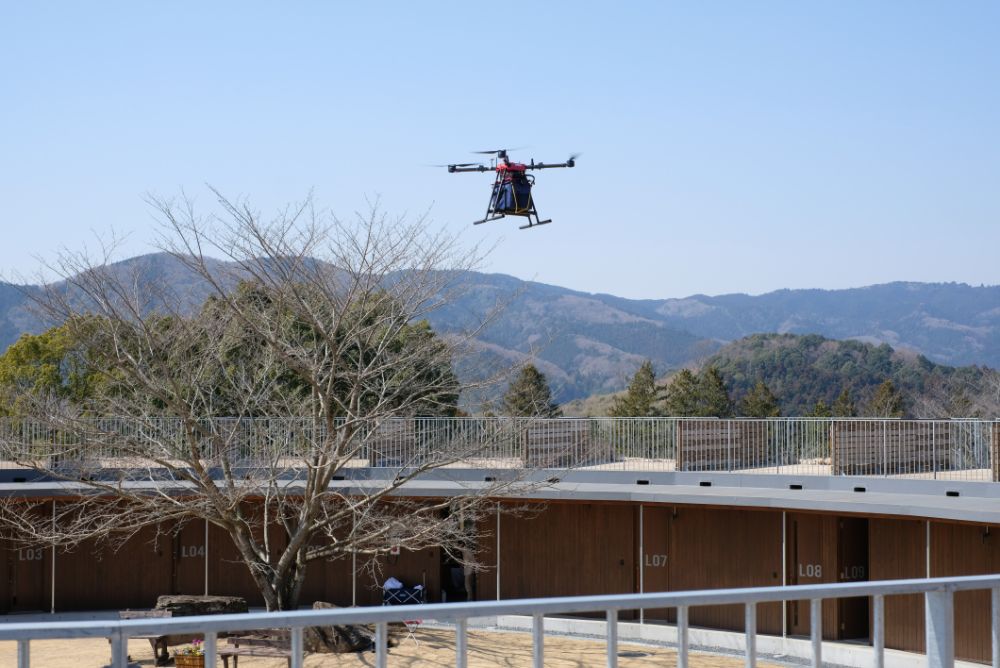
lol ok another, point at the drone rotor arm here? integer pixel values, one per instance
(468, 168)
(571, 162)
(553, 165)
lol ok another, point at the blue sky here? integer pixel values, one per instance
(727, 146)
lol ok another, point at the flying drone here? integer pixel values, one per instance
(512, 186)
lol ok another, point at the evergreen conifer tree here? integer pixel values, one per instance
(844, 405)
(529, 396)
(713, 397)
(886, 402)
(821, 409)
(681, 396)
(760, 402)
(640, 398)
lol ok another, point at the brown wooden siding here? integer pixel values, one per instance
(188, 575)
(714, 445)
(897, 550)
(131, 574)
(963, 549)
(485, 578)
(5, 575)
(717, 548)
(28, 575)
(656, 560)
(812, 559)
(566, 550)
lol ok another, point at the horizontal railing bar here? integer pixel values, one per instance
(458, 611)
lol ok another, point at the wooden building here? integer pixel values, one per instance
(674, 532)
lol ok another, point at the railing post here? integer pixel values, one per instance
(940, 623)
(751, 635)
(23, 653)
(296, 648)
(816, 631)
(461, 644)
(612, 639)
(119, 650)
(210, 647)
(885, 449)
(537, 641)
(878, 630)
(729, 446)
(381, 641)
(934, 448)
(682, 637)
(995, 625)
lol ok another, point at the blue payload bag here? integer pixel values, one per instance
(514, 197)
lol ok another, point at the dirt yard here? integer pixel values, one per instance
(436, 650)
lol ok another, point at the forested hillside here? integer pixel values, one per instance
(810, 374)
(802, 370)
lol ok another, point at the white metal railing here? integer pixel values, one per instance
(938, 449)
(938, 594)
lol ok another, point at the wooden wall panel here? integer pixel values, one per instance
(328, 580)
(314, 587)
(716, 548)
(228, 575)
(905, 447)
(568, 549)
(115, 576)
(812, 559)
(486, 584)
(961, 549)
(655, 562)
(28, 572)
(338, 579)
(5, 575)
(189, 559)
(897, 549)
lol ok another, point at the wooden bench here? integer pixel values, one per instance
(275, 645)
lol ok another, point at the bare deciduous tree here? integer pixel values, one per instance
(245, 412)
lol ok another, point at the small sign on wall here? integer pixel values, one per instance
(192, 551)
(810, 570)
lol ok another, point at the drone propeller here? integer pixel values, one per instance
(572, 159)
(460, 164)
(501, 150)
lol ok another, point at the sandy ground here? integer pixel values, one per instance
(436, 650)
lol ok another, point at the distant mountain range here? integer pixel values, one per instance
(591, 343)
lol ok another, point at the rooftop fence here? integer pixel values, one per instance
(938, 594)
(965, 449)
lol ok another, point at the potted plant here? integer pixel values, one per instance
(191, 656)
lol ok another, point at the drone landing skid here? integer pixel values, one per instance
(535, 224)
